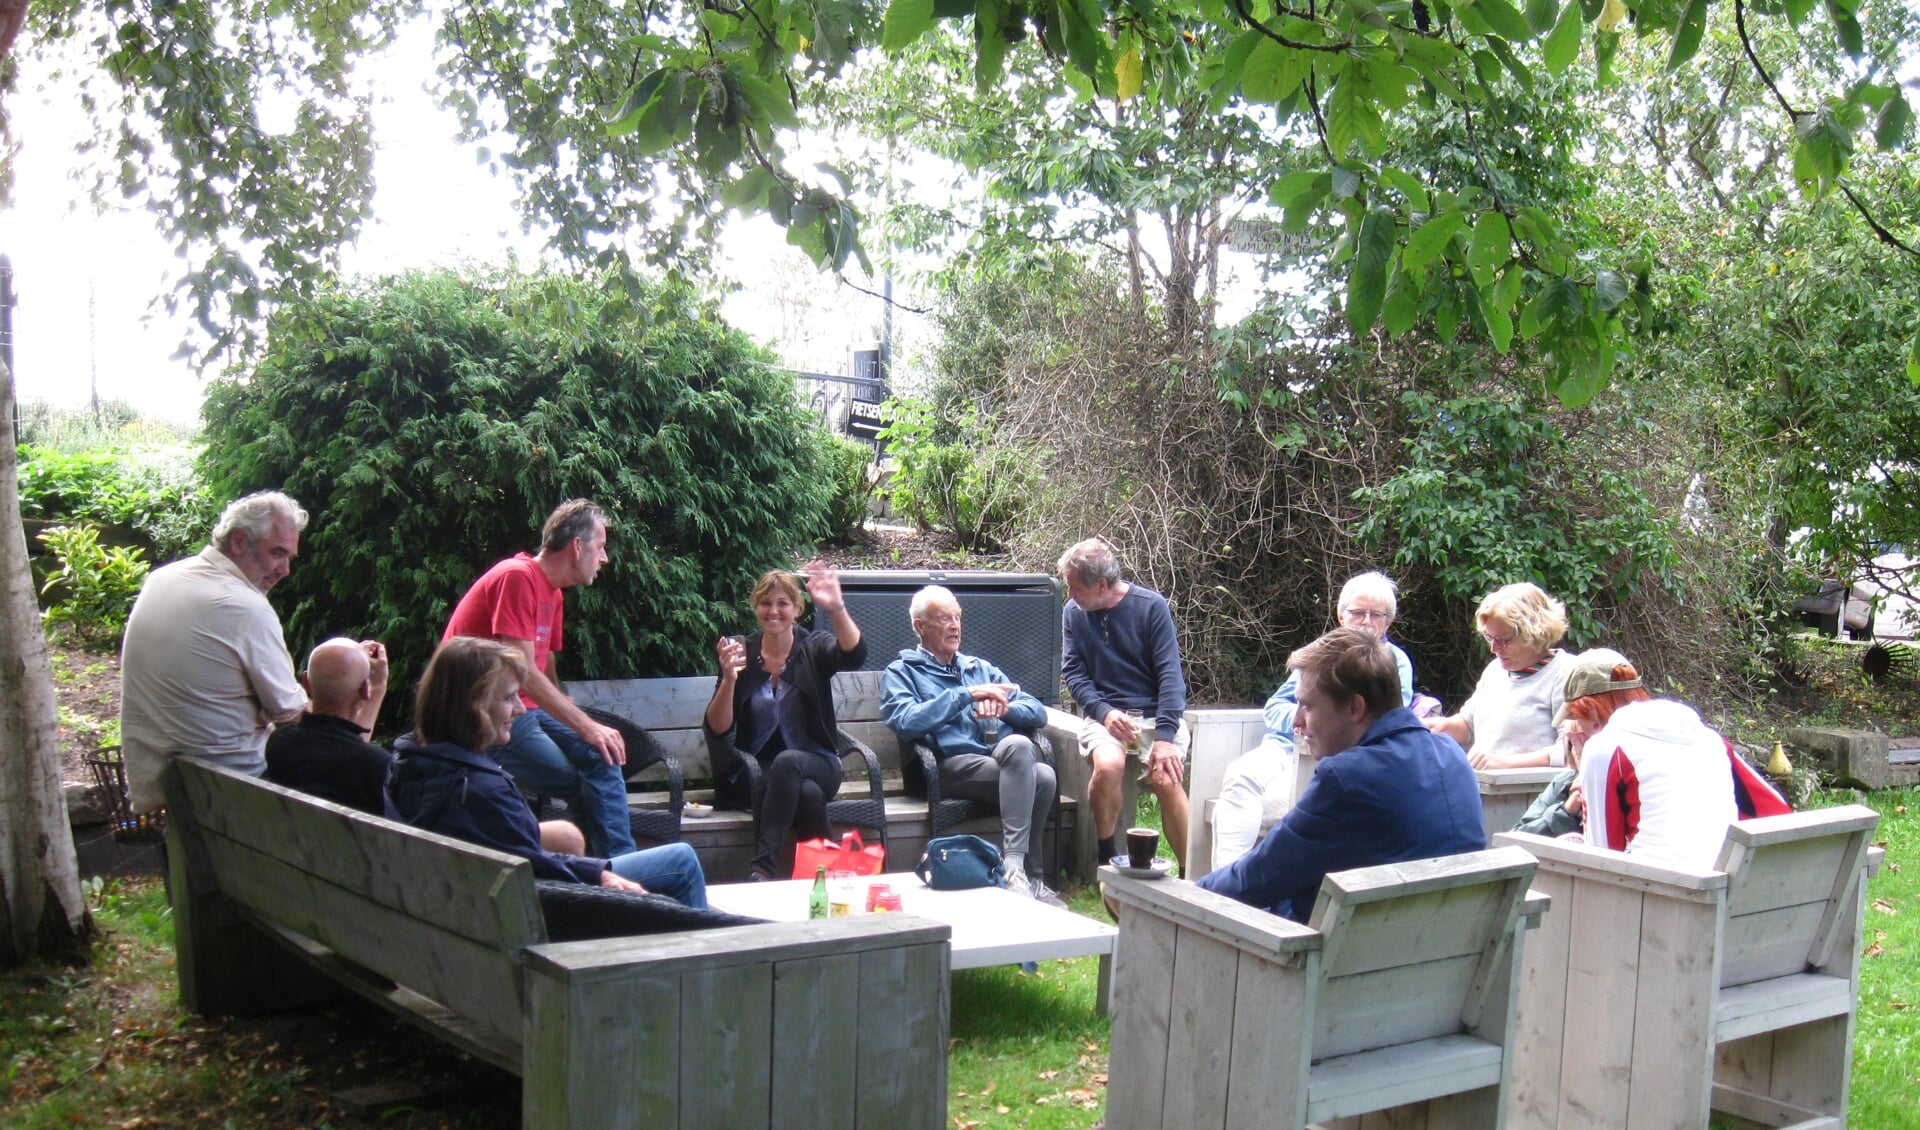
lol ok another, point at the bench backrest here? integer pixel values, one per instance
(1788, 882)
(671, 710)
(443, 918)
(1412, 949)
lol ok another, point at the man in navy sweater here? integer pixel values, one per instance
(1391, 791)
(1122, 666)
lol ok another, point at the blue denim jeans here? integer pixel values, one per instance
(671, 869)
(547, 757)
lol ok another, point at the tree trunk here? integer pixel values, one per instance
(39, 872)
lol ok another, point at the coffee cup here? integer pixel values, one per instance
(1142, 845)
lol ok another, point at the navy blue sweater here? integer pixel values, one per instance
(1126, 658)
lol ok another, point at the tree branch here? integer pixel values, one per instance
(1746, 44)
(1879, 229)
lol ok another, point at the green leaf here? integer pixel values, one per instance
(1821, 151)
(1896, 119)
(990, 44)
(1367, 280)
(1499, 327)
(1563, 46)
(1686, 37)
(1353, 117)
(1273, 72)
(1409, 188)
(1519, 70)
(1505, 20)
(1299, 184)
(1913, 361)
(1128, 74)
(1507, 291)
(1798, 11)
(1609, 291)
(1546, 307)
(1846, 29)
(1540, 14)
(906, 21)
(1402, 303)
(1424, 244)
(1492, 245)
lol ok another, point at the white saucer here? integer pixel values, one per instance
(1161, 868)
(694, 811)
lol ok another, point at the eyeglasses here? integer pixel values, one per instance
(1497, 642)
(1368, 616)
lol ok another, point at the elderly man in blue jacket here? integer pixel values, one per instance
(966, 708)
(1390, 791)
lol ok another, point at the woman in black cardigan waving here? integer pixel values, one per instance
(774, 703)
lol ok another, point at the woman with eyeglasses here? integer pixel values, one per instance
(1508, 723)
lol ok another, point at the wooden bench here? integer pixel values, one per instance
(1654, 994)
(801, 1025)
(1398, 998)
(671, 710)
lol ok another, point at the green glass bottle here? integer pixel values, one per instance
(817, 905)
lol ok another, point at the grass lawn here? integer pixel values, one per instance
(1886, 1041)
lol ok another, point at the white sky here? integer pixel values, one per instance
(86, 283)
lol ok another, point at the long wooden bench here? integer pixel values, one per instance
(279, 899)
(671, 710)
(1654, 994)
(1396, 1002)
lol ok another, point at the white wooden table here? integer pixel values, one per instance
(991, 926)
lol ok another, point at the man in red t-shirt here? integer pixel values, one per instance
(556, 749)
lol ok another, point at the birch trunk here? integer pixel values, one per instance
(45, 914)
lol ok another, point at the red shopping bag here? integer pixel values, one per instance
(850, 854)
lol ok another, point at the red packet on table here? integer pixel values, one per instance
(850, 854)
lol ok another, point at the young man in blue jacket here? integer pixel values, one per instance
(966, 708)
(1390, 791)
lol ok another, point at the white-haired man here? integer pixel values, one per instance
(965, 708)
(1259, 785)
(204, 668)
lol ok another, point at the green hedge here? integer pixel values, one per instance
(429, 424)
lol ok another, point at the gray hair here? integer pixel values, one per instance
(256, 515)
(1090, 562)
(1373, 584)
(917, 610)
(574, 518)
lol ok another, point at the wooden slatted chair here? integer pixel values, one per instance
(1397, 997)
(1659, 994)
(1789, 969)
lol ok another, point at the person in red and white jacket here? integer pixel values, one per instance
(1656, 781)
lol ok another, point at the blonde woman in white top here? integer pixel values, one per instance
(1508, 723)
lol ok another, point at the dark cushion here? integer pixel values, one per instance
(576, 912)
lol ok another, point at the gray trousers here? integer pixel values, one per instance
(1016, 780)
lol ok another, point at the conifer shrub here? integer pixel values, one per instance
(430, 422)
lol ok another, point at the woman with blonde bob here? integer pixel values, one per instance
(466, 703)
(1657, 782)
(1508, 723)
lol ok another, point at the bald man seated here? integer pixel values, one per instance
(327, 752)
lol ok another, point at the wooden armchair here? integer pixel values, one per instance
(1657, 994)
(1398, 997)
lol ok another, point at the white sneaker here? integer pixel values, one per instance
(1017, 883)
(1041, 893)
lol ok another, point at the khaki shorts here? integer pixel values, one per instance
(1094, 735)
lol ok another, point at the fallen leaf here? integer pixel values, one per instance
(963, 1124)
(1003, 1109)
(1090, 1046)
(1874, 950)
(988, 1089)
(1085, 1059)
(1897, 1006)
(953, 1043)
(1100, 1080)
(1900, 810)
(1049, 1075)
(1884, 907)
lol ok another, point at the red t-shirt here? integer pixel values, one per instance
(513, 600)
